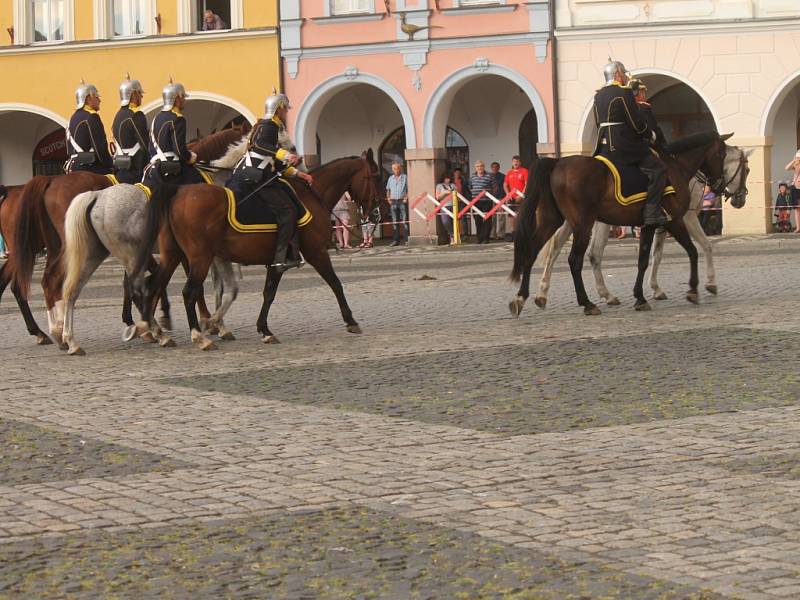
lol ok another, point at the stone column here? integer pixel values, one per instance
(755, 216)
(425, 169)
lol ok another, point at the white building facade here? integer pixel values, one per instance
(733, 65)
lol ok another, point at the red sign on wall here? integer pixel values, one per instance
(52, 147)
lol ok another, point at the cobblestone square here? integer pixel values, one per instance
(450, 451)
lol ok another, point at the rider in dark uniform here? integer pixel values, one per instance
(86, 136)
(170, 159)
(130, 134)
(639, 90)
(265, 162)
(625, 136)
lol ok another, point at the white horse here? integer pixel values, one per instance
(112, 221)
(735, 172)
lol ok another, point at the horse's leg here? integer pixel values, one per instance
(92, 261)
(597, 248)
(658, 253)
(549, 222)
(192, 293)
(321, 261)
(270, 289)
(24, 308)
(157, 289)
(227, 288)
(678, 230)
(697, 234)
(52, 300)
(645, 245)
(580, 241)
(127, 316)
(165, 322)
(552, 249)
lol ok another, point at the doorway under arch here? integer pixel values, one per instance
(31, 143)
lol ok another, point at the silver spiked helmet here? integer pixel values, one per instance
(83, 92)
(127, 88)
(274, 102)
(170, 92)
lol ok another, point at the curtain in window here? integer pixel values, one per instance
(48, 20)
(346, 7)
(129, 16)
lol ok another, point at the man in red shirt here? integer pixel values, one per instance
(516, 180)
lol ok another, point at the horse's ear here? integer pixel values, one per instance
(726, 136)
(749, 152)
(370, 156)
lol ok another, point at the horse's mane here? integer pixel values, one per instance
(690, 142)
(216, 145)
(335, 160)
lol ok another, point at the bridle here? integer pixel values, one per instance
(720, 185)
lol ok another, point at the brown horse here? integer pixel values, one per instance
(9, 199)
(560, 190)
(174, 218)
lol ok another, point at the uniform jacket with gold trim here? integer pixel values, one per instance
(129, 129)
(88, 132)
(623, 132)
(264, 141)
(169, 129)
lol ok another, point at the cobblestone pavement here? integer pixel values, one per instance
(448, 452)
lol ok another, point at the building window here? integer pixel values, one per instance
(350, 7)
(49, 20)
(213, 15)
(130, 17)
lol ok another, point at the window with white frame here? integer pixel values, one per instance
(213, 15)
(350, 7)
(49, 20)
(129, 17)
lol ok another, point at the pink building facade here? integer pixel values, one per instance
(476, 85)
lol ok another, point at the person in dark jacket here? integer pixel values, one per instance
(86, 136)
(130, 134)
(639, 90)
(260, 174)
(624, 136)
(170, 159)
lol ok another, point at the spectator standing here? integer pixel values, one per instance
(397, 195)
(498, 191)
(444, 194)
(515, 181)
(783, 205)
(342, 213)
(481, 181)
(794, 165)
(709, 199)
(212, 21)
(3, 252)
(462, 187)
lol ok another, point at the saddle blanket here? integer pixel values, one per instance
(256, 216)
(630, 184)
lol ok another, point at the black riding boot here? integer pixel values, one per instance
(287, 233)
(657, 175)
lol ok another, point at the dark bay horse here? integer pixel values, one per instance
(581, 190)
(192, 223)
(9, 199)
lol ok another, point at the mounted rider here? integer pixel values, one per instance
(86, 136)
(170, 160)
(130, 133)
(639, 90)
(625, 137)
(260, 173)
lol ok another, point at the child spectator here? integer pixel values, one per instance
(783, 204)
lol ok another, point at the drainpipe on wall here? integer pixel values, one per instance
(554, 70)
(280, 48)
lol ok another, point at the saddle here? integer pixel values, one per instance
(256, 216)
(630, 184)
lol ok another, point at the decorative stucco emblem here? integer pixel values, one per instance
(482, 64)
(351, 73)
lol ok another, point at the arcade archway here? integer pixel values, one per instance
(33, 143)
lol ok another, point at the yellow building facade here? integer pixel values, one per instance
(48, 46)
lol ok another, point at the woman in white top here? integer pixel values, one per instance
(444, 194)
(342, 213)
(794, 165)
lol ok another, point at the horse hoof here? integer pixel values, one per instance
(76, 351)
(613, 301)
(129, 333)
(213, 330)
(43, 340)
(540, 301)
(515, 306)
(692, 297)
(711, 289)
(166, 342)
(165, 323)
(591, 311)
(148, 337)
(227, 336)
(270, 339)
(353, 329)
(63, 346)
(207, 345)
(659, 296)
(642, 307)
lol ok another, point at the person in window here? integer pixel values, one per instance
(86, 136)
(212, 21)
(170, 159)
(130, 133)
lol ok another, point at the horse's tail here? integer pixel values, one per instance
(78, 234)
(536, 191)
(157, 215)
(28, 238)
